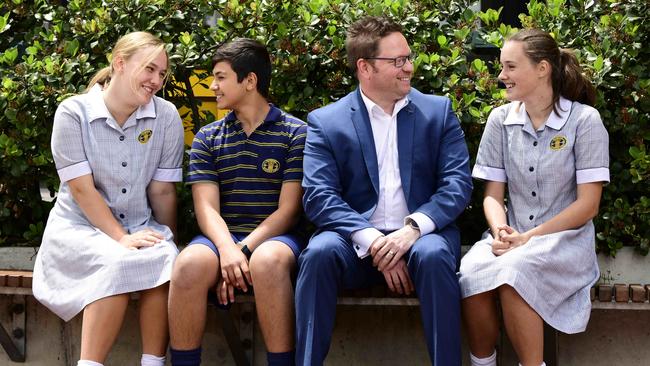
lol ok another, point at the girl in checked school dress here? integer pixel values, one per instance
(118, 152)
(548, 150)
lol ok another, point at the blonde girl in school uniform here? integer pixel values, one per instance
(118, 152)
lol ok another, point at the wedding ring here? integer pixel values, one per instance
(391, 253)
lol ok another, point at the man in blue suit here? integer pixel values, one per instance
(386, 173)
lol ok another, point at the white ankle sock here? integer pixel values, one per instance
(88, 363)
(151, 360)
(488, 361)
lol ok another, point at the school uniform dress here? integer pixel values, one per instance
(553, 273)
(77, 263)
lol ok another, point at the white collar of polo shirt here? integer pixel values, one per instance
(518, 116)
(97, 108)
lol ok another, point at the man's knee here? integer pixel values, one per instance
(432, 253)
(323, 248)
(195, 267)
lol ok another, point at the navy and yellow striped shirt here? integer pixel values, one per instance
(249, 170)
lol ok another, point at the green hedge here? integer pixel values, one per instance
(49, 50)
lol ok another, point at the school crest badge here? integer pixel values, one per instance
(144, 136)
(558, 143)
(270, 166)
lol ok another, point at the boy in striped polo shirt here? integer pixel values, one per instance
(245, 171)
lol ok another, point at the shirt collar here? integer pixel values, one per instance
(97, 108)
(373, 107)
(274, 115)
(518, 116)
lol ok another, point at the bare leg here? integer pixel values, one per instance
(102, 321)
(153, 320)
(271, 266)
(481, 321)
(524, 326)
(195, 273)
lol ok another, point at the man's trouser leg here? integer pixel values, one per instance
(432, 267)
(326, 265)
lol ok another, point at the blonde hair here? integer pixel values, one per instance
(126, 47)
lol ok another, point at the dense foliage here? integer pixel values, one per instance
(49, 50)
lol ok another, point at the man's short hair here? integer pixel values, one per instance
(245, 56)
(363, 38)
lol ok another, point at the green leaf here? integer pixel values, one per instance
(598, 64)
(4, 22)
(479, 65)
(10, 55)
(72, 47)
(185, 38)
(442, 40)
(7, 83)
(10, 113)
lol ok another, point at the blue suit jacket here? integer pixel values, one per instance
(341, 174)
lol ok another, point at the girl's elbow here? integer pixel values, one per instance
(593, 211)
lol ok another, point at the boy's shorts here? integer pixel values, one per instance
(292, 241)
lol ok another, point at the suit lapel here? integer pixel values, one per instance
(405, 142)
(361, 124)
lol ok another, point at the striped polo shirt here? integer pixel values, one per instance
(249, 170)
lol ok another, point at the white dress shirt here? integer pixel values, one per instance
(391, 211)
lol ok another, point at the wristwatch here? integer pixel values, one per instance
(244, 249)
(414, 225)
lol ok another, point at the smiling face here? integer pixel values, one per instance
(521, 76)
(229, 93)
(145, 73)
(380, 80)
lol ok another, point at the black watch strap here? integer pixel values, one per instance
(247, 252)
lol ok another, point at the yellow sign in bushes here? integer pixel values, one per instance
(208, 103)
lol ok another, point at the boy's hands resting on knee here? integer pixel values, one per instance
(142, 238)
(234, 267)
(225, 292)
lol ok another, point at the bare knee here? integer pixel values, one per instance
(481, 300)
(159, 292)
(272, 261)
(506, 292)
(196, 267)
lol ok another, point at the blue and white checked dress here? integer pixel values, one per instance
(77, 263)
(553, 273)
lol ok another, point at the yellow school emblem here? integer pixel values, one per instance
(558, 143)
(270, 165)
(145, 136)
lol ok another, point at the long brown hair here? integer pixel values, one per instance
(567, 79)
